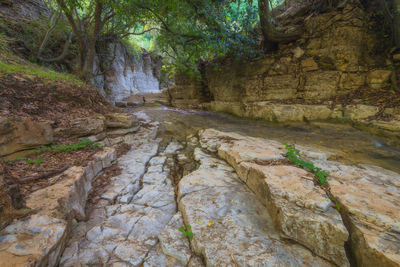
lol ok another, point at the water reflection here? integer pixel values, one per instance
(354, 145)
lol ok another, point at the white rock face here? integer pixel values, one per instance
(231, 227)
(367, 197)
(36, 240)
(127, 74)
(124, 226)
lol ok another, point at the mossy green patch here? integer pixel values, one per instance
(36, 71)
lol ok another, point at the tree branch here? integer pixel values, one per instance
(166, 26)
(138, 33)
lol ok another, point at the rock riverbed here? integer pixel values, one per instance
(246, 205)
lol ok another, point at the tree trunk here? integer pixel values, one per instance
(271, 36)
(88, 70)
(396, 23)
(263, 9)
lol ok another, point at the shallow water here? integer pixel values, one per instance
(352, 145)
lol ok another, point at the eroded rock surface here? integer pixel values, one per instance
(231, 226)
(18, 134)
(368, 197)
(34, 241)
(124, 225)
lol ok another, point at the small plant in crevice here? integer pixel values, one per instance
(294, 156)
(186, 231)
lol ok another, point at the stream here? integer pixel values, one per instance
(353, 146)
(181, 200)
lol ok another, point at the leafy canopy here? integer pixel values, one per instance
(183, 31)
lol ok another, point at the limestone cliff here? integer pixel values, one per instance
(120, 73)
(305, 80)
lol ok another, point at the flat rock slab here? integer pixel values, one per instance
(67, 197)
(34, 241)
(300, 210)
(39, 240)
(231, 227)
(369, 199)
(125, 224)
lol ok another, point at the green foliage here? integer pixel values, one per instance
(37, 161)
(69, 148)
(37, 71)
(294, 156)
(58, 149)
(3, 43)
(186, 231)
(190, 31)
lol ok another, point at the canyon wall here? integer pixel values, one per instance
(310, 79)
(119, 73)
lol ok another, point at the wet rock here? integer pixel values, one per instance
(34, 241)
(300, 210)
(18, 134)
(230, 225)
(121, 120)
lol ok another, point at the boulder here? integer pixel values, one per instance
(83, 127)
(17, 134)
(121, 120)
(34, 241)
(378, 78)
(371, 198)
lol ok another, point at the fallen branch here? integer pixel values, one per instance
(41, 176)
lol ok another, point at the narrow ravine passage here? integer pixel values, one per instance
(244, 205)
(136, 219)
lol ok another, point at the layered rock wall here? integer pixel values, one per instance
(303, 80)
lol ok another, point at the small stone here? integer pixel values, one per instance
(121, 120)
(309, 64)
(297, 52)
